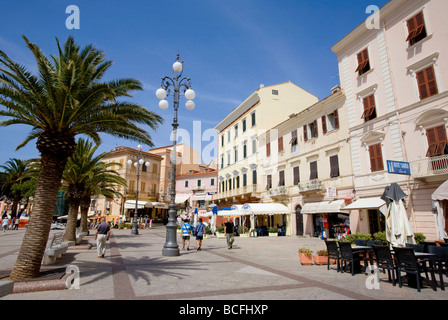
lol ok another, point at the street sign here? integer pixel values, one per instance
(398, 167)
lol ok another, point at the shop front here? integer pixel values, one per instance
(326, 219)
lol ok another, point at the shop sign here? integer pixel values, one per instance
(331, 192)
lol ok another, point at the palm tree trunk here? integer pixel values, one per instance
(72, 219)
(30, 256)
(85, 205)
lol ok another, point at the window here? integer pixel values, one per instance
(330, 122)
(296, 176)
(268, 149)
(244, 179)
(199, 183)
(416, 29)
(235, 151)
(269, 182)
(222, 140)
(154, 168)
(427, 85)
(222, 161)
(281, 178)
(186, 184)
(275, 92)
(280, 144)
(334, 166)
(228, 158)
(310, 131)
(363, 62)
(245, 150)
(293, 141)
(376, 158)
(244, 125)
(212, 182)
(252, 116)
(236, 130)
(144, 167)
(437, 141)
(254, 177)
(254, 146)
(369, 108)
(313, 170)
(238, 181)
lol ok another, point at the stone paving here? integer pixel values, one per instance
(262, 268)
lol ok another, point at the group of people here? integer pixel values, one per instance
(14, 225)
(187, 230)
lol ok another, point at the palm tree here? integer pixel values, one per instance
(66, 98)
(15, 173)
(86, 175)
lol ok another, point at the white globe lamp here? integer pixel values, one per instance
(190, 94)
(161, 93)
(189, 105)
(163, 104)
(177, 66)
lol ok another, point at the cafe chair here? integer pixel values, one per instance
(407, 262)
(446, 240)
(347, 255)
(427, 244)
(333, 253)
(440, 262)
(443, 244)
(416, 247)
(359, 242)
(385, 261)
(374, 243)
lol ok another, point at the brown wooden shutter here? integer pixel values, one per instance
(296, 175)
(305, 133)
(334, 166)
(376, 158)
(336, 119)
(324, 124)
(268, 149)
(369, 106)
(293, 138)
(281, 178)
(363, 60)
(437, 141)
(416, 25)
(316, 133)
(427, 84)
(313, 170)
(280, 144)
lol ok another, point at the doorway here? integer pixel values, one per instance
(299, 221)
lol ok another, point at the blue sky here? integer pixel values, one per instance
(228, 47)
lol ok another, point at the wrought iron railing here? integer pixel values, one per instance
(429, 166)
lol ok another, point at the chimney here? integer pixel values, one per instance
(336, 89)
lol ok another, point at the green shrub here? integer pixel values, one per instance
(358, 236)
(419, 237)
(381, 236)
(273, 230)
(220, 229)
(305, 251)
(322, 253)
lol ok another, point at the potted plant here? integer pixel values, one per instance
(321, 257)
(220, 232)
(306, 256)
(243, 232)
(273, 232)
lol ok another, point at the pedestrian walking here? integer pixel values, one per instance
(102, 236)
(186, 232)
(150, 223)
(5, 224)
(229, 232)
(199, 233)
(16, 224)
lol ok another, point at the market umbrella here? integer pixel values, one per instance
(441, 194)
(398, 228)
(196, 216)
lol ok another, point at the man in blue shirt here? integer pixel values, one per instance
(200, 230)
(186, 231)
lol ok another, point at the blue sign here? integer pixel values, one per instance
(398, 167)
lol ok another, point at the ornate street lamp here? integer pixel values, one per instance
(137, 165)
(171, 248)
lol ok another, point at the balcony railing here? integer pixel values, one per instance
(277, 192)
(429, 166)
(311, 185)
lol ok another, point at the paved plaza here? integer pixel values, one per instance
(263, 268)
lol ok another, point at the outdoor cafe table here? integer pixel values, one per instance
(364, 250)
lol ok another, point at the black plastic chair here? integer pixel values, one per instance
(374, 243)
(446, 240)
(347, 255)
(440, 262)
(416, 247)
(385, 261)
(427, 244)
(442, 244)
(359, 242)
(333, 253)
(407, 262)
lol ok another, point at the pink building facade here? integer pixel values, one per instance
(395, 77)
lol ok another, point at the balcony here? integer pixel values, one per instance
(278, 192)
(312, 185)
(432, 167)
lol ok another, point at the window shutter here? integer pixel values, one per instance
(334, 166)
(280, 144)
(363, 59)
(281, 178)
(324, 124)
(305, 134)
(316, 133)
(313, 169)
(296, 175)
(416, 25)
(336, 119)
(369, 106)
(376, 157)
(293, 138)
(427, 85)
(268, 149)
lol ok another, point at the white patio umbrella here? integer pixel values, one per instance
(398, 228)
(440, 194)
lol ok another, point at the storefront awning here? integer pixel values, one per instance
(262, 208)
(333, 206)
(181, 198)
(130, 204)
(366, 203)
(156, 205)
(200, 197)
